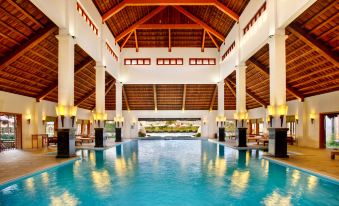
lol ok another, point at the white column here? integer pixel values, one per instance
(221, 100)
(118, 99)
(100, 90)
(241, 91)
(277, 59)
(265, 121)
(65, 72)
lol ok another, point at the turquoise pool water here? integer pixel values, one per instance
(175, 172)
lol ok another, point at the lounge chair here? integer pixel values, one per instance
(53, 140)
(264, 140)
(254, 138)
(334, 153)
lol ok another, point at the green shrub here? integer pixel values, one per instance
(142, 134)
(198, 134)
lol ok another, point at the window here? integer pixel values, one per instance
(255, 18)
(138, 61)
(110, 50)
(50, 129)
(87, 19)
(170, 61)
(202, 61)
(228, 51)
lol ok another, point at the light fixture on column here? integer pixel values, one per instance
(312, 117)
(61, 111)
(43, 119)
(119, 121)
(28, 117)
(97, 117)
(271, 112)
(73, 113)
(204, 121)
(221, 120)
(105, 119)
(296, 118)
(282, 111)
(236, 117)
(243, 116)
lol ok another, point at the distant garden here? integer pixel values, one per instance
(171, 129)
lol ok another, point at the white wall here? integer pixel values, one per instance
(167, 74)
(13, 103)
(307, 133)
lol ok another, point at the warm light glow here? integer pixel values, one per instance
(101, 180)
(312, 116)
(235, 116)
(277, 199)
(295, 177)
(271, 110)
(282, 110)
(243, 115)
(28, 116)
(43, 117)
(312, 182)
(65, 199)
(73, 111)
(239, 180)
(296, 117)
(60, 110)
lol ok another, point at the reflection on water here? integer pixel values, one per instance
(64, 199)
(170, 173)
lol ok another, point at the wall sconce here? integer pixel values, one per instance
(204, 121)
(73, 113)
(98, 117)
(236, 117)
(119, 121)
(105, 119)
(43, 119)
(28, 117)
(61, 111)
(271, 112)
(296, 118)
(312, 117)
(282, 111)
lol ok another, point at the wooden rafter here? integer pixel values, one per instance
(126, 3)
(111, 85)
(169, 26)
(141, 21)
(214, 41)
(125, 97)
(203, 41)
(136, 41)
(21, 50)
(230, 87)
(251, 94)
(169, 41)
(266, 72)
(28, 15)
(126, 40)
(91, 93)
(313, 43)
(155, 97)
(184, 97)
(213, 97)
(80, 67)
(201, 23)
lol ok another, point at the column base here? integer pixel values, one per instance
(277, 145)
(99, 137)
(66, 143)
(221, 134)
(118, 135)
(241, 137)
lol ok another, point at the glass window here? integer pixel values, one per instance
(50, 129)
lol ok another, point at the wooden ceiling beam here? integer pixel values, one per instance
(169, 41)
(214, 41)
(169, 26)
(126, 3)
(125, 97)
(203, 41)
(90, 94)
(32, 42)
(251, 94)
(136, 41)
(28, 15)
(313, 43)
(155, 97)
(215, 92)
(184, 97)
(141, 21)
(201, 23)
(126, 40)
(265, 71)
(80, 67)
(230, 87)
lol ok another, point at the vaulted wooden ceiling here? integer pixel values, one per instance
(170, 23)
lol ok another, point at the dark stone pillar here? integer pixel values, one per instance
(99, 137)
(277, 145)
(222, 134)
(241, 137)
(66, 143)
(117, 134)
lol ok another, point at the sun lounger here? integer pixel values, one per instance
(334, 153)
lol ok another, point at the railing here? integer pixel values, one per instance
(87, 19)
(255, 18)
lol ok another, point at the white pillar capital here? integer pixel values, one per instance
(64, 36)
(99, 65)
